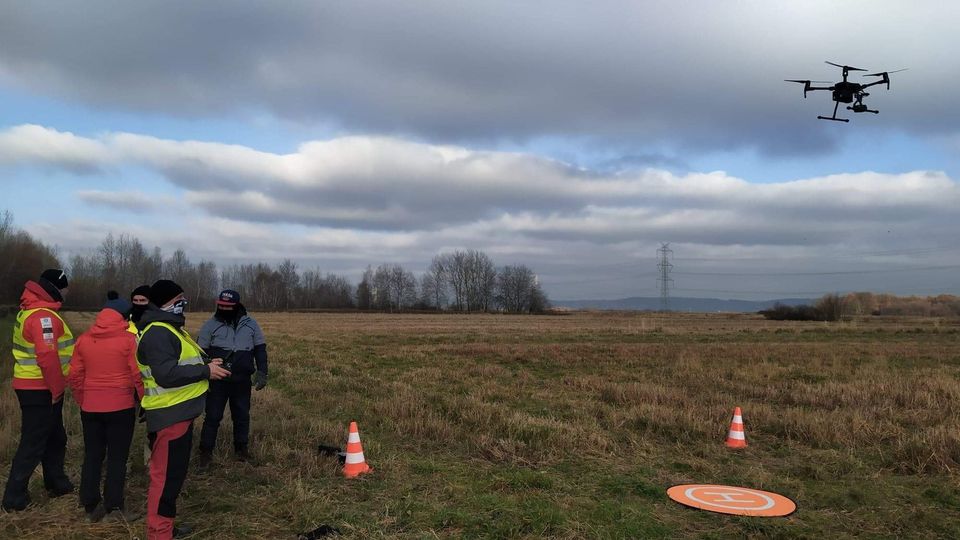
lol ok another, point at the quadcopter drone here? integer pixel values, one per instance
(847, 92)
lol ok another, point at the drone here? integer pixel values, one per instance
(847, 92)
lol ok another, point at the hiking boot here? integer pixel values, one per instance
(121, 516)
(182, 531)
(95, 515)
(18, 505)
(204, 458)
(243, 454)
(60, 490)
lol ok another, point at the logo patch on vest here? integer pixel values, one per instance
(46, 326)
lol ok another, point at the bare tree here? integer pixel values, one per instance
(289, 280)
(455, 270)
(365, 290)
(518, 290)
(433, 284)
(481, 278)
(403, 288)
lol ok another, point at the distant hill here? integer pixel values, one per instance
(638, 303)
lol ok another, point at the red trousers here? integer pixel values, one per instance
(169, 458)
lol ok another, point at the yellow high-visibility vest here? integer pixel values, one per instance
(159, 397)
(25, 353)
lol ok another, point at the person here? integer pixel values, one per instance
(42, 346)
(139, 298)
(235, 336)
(175, 382)
(106, 384)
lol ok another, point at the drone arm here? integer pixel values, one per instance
(885, 80)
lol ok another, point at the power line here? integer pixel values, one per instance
(835, 273)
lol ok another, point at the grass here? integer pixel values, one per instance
(572, 427)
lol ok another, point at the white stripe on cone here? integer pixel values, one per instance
(738, 435)
(353, 438)
(355, 458)
(737, 419)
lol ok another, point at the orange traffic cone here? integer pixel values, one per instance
(736, 438)
(355, 464)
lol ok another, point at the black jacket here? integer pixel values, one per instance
(160, 350)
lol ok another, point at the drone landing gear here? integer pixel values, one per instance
(834, 117)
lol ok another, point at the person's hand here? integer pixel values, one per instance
(261, 380)
(216, 370)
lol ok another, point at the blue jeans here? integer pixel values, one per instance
(237, 393)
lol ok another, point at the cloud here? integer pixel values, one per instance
(350, 201)
(698, 75)
(136, 201)
(389, 184)
(37, 145)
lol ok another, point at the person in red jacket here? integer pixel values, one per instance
(42, 345)
(106, 384)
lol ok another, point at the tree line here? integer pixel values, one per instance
(835, 307)
(466, 281)
(21, 258)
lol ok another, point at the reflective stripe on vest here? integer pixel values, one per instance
(25, 353)
(159, 397)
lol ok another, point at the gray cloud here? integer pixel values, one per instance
(691, 74)
(125, 200)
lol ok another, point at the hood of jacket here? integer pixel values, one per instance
(34, 296)
(109, 323)
(154, 314)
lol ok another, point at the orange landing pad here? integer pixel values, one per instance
(732, 500)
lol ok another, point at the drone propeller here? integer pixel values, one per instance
(882, 73)
(846, 68)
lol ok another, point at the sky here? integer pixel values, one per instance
(573, 137)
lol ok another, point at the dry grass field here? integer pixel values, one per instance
(570, 427)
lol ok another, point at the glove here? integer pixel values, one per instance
(261, 380)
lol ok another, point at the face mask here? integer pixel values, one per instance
(137, 312)
(177, 308)
(228, 315)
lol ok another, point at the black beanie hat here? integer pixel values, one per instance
(143, 290)
(56, 277)
(162, 291)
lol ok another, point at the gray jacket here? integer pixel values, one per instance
(243, 345)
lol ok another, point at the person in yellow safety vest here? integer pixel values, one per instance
(42, 346)
(175, 382)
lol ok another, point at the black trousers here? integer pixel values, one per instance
(106, 435)
(237, 393)
(42, 441)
